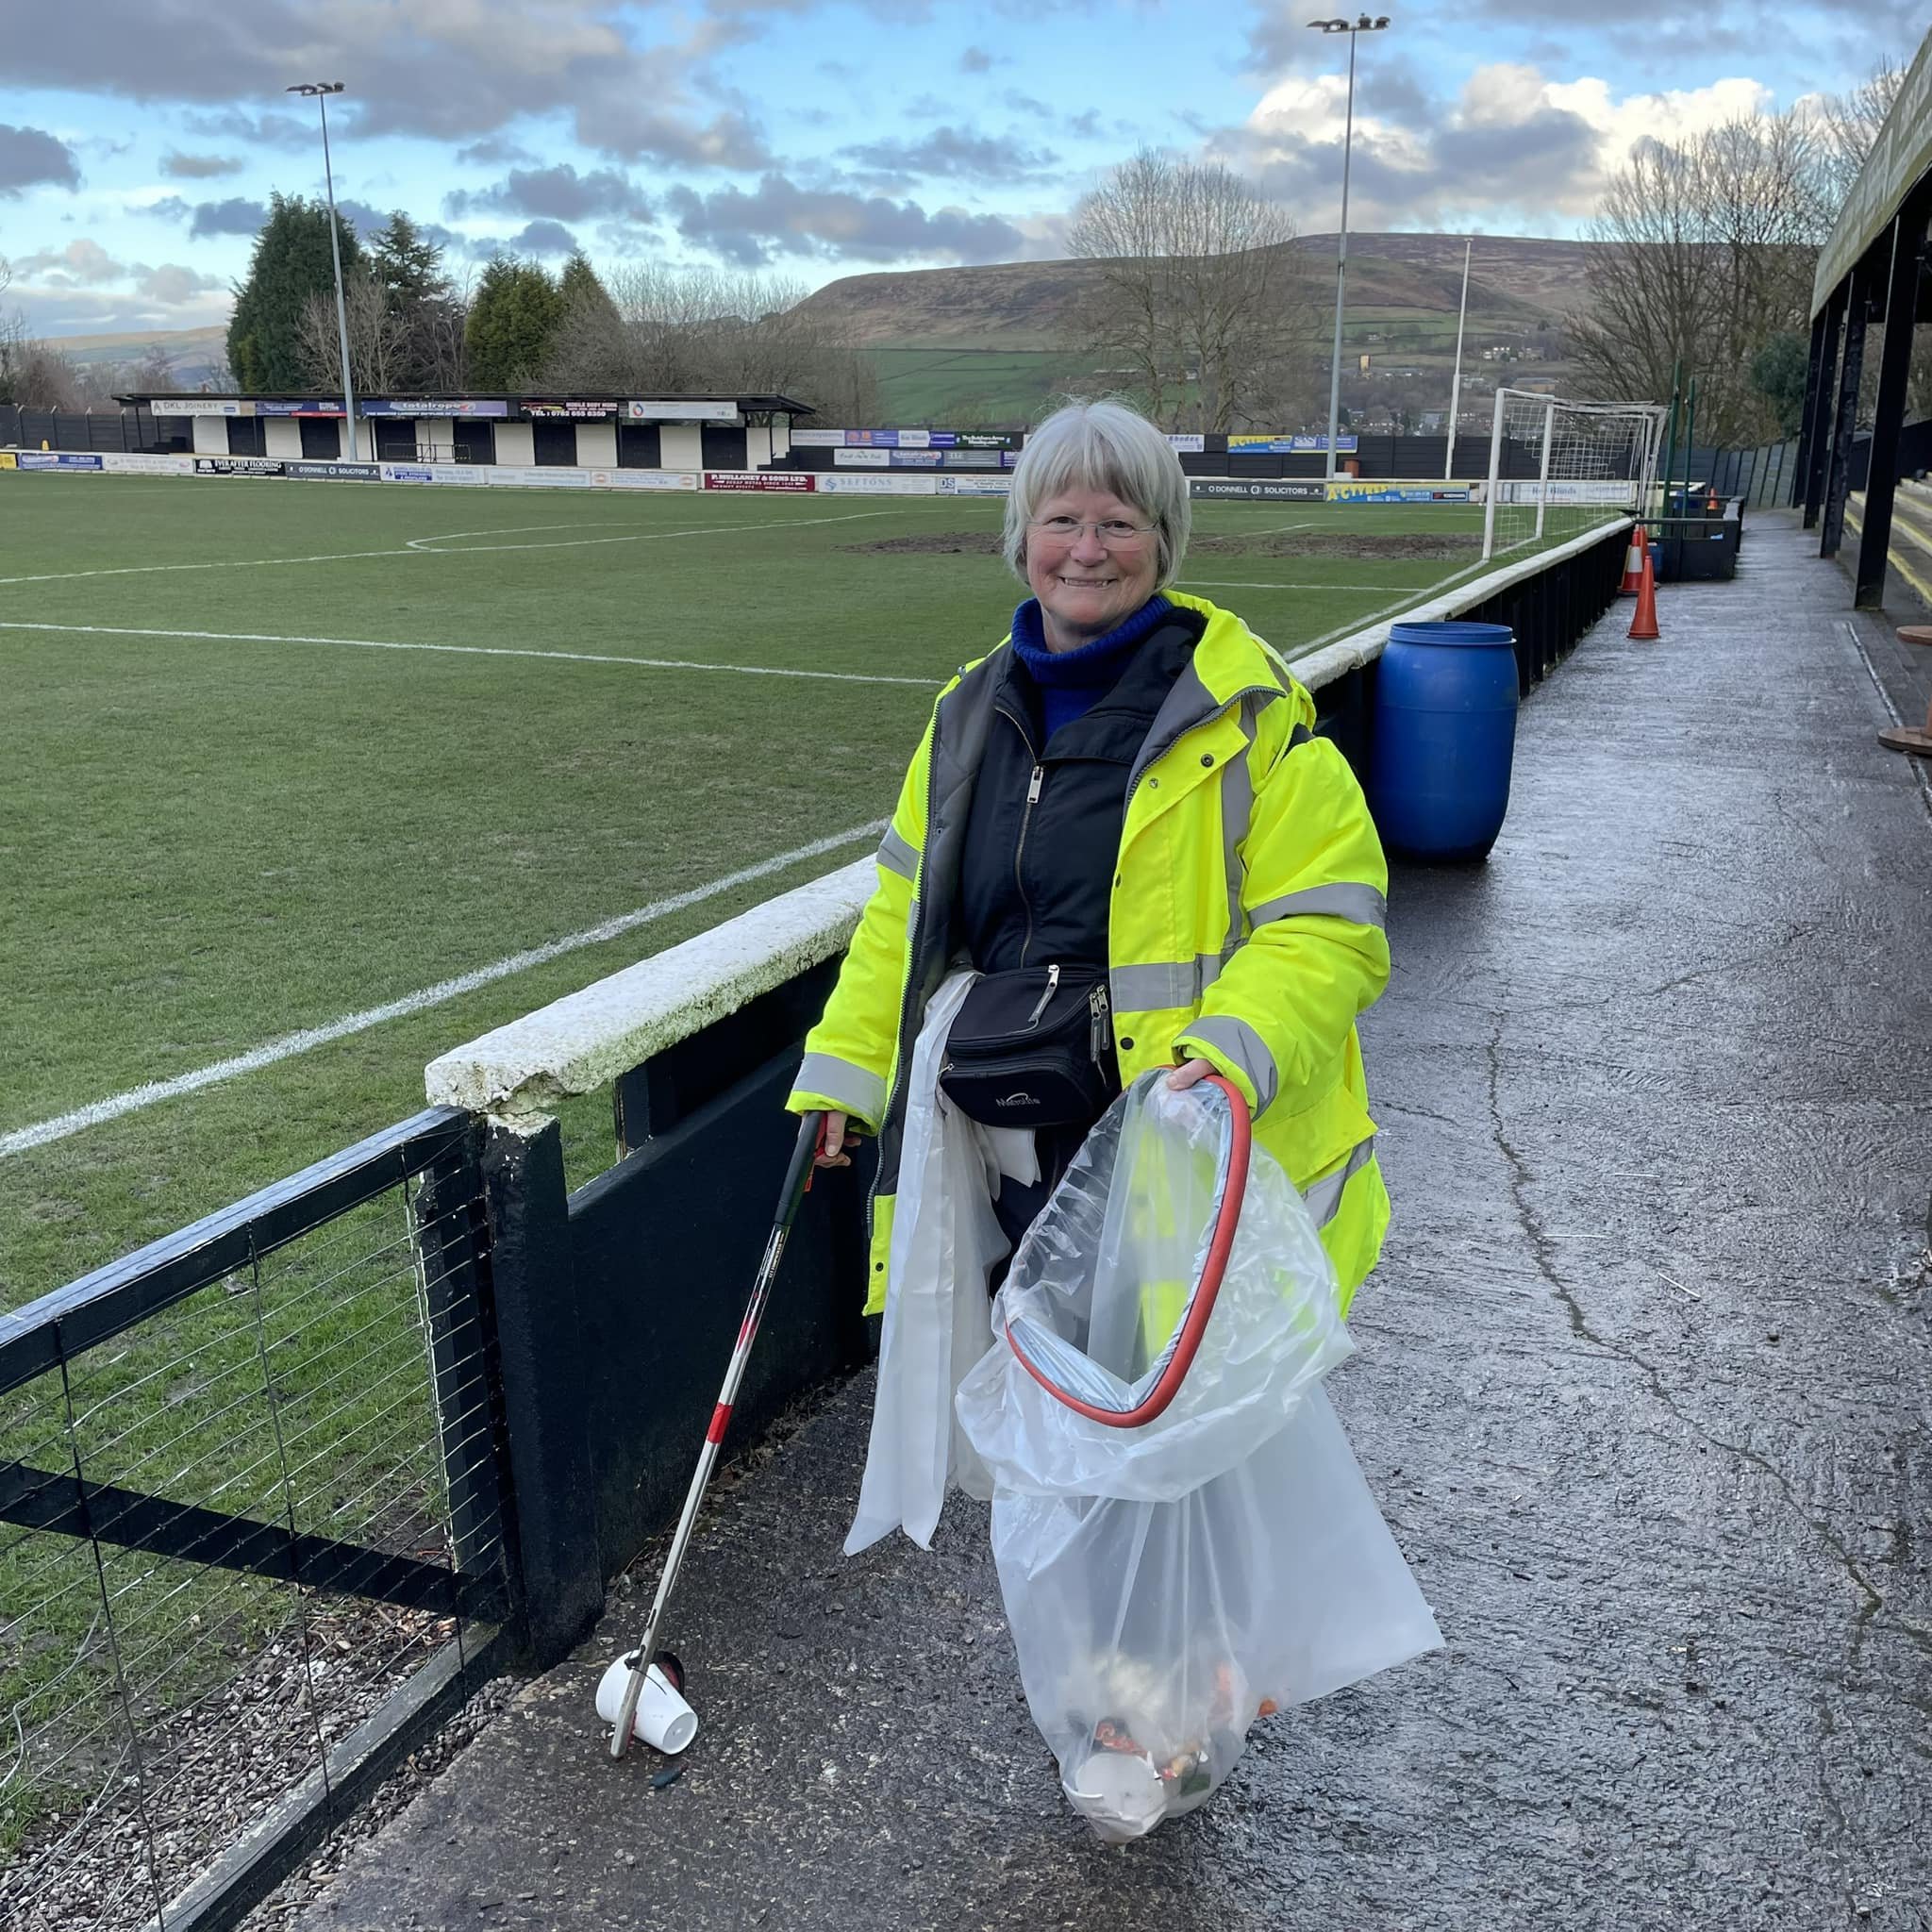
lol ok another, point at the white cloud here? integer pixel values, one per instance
(1515, 143)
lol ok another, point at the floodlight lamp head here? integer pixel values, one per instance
(1329, 26)
(315, 86)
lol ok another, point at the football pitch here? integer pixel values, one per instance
(301, 785)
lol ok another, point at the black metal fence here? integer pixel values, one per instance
(251, 1532)
(124, 431)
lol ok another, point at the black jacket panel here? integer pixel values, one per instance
(1035, 877)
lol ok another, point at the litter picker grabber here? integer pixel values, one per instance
(797, 1180)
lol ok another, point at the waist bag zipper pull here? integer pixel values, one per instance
(1101, 1032)
(1053, 980)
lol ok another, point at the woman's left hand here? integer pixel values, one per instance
(1188, 1073)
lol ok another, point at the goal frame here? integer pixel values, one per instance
(1646, 420)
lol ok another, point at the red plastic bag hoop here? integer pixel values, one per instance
(1231, 1185)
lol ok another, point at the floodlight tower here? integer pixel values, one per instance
(1351, 27)
(319, 91)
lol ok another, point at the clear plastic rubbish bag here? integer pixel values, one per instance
(1183, 1537)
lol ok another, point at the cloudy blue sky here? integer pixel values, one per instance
(139, 139)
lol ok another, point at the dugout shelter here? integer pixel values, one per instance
(570, 431)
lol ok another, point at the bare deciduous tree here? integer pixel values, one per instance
(1198, 289)
(1706, 252)
(671, 331)
(1848, 124)
(379, 338)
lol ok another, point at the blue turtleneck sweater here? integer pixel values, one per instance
(1072, 682)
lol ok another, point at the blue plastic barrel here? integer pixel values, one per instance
(1443, 738)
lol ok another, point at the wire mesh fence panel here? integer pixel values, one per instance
(1560, 469)
(231, 1531)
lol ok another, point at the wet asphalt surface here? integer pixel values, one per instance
(1642, 1387)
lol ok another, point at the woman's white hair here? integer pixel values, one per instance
(1104, 446)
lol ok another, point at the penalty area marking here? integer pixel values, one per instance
(255, 637)
(290, 1044)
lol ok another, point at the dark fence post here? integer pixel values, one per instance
(452, 1243)
(1843, 421)
(540, 1344)
(1895, 364)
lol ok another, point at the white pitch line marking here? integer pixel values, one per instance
(1408, 601)
(155, 1091)
(1246, 584)
(414, 547)
(254, 637)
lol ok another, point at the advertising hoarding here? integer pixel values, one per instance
(792, 480)
(435, 405)
(707, 411)
(1262, 489)
(875, 483)
(862, 459)
(643, 479)
(134, 463)
(238, 466)
(335, 472)
(203, 405)
(1276, 443)
(1397, 492)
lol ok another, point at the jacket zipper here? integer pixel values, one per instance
(1033, 785)
(1053, 982)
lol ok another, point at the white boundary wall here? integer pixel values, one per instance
(583, 1041)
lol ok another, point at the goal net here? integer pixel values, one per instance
(1557, 469)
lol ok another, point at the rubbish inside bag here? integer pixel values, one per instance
(1170, 1580)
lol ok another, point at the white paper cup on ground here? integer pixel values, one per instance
(664, 1720)
(1119, 1794)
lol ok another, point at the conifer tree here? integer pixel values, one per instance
(514, 315)
(290, 264)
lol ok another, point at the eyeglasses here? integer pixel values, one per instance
(1115, 533)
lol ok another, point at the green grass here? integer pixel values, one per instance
(957, 387)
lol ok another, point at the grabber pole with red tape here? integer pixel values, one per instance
(797, 1180)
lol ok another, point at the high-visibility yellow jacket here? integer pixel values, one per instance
(1246, 928)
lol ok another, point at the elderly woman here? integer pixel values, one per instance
(1122, 805)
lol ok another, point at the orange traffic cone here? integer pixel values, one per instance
(1643, 624)
(1633, 562)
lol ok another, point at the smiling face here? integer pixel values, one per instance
(1087, 587)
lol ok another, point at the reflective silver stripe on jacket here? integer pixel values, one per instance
(856, 1090)
(1237, 808)
(1363, 904)
(1167, 983)
(1238, 1041)
(1324, 1198)
(896, 855)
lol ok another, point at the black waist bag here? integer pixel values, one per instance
(1032, 1048)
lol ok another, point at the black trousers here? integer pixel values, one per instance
(1018, 1207)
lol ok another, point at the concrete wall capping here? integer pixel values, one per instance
(583, 1041)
